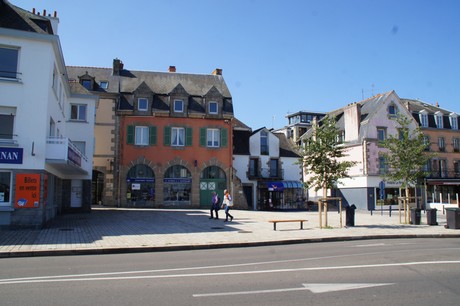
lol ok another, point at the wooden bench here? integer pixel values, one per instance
(279, 221)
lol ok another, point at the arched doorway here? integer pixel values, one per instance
(141, 186)
(212, 179)
(177, 186)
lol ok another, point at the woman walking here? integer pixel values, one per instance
(227, 203)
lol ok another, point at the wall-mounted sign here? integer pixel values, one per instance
(11, 155)
(27, 191)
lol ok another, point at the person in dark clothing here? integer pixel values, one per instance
(214, 205)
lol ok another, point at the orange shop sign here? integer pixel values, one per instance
(27, 191)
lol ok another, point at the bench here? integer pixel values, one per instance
(279, 221)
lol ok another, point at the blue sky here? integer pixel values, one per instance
(277, 56)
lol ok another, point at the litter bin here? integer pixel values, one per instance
(415, 216)
(453, 218)
(350, 215)
(431, 216)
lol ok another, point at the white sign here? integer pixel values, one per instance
(135, 186)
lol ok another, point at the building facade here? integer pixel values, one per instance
(362, 128)
(46, 124)
(268, 170)
(440, 128)
(170, 136)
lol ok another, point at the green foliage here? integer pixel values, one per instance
(321, 156)
(406, 155)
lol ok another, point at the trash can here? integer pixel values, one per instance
(431, 216)
(415, 216)
(350, 215)
(453, 218)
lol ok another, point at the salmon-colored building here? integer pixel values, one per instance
(169, 142)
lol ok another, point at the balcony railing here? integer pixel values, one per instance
(266, 173)
(444, 174)
(62, 150)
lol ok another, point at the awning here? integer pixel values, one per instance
(293, 184)
(281, 185)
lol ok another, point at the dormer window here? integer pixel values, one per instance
(88, 84)
(213, 108)
(104, 84)
(142, 104)
(178, 106)
(438, 119)
(423, 119)
(454, 121)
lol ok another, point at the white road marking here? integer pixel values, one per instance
(48, 280)
(315, 288)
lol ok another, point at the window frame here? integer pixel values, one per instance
(453, 122)
(392, 106)
(456, 144)
(79, 112)
(213, 103)
(213, 138)
(264, 145)
(8, 201)
(442, 144)
(438, 117)
(423, 119)
(5, 74)
(146, 108)
(384, 131)
(105, 86)
(141, 135)
(178, 131)
(178, 102)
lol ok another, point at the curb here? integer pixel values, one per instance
(125, 250)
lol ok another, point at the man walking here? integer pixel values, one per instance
(214, 205)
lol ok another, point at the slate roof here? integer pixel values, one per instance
(416, 106)
(13, 17)
(159, 84)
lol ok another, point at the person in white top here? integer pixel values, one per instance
(227, 203)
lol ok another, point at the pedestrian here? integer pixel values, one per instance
(215, 200)
(227, 203)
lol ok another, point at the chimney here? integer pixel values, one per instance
(172, 69)
(117, 66)
(54, 22)
(217, 71)
(352, 121)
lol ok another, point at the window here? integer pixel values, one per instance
(382, 165)
(213, 108)
(392, 110)
(9, 63)
(55, 79)
(456, 144)
(426, 141)
(6, 126)
(142, 136)
(142, 104)
(454, 122)
(438, 119)
(264, 143)
(88, 84)
(423, 119)
(5, 188)
(456, 168)
(78, 112)
(274, 168)
(104, 84)
(441, 144)
(81, 146)
(381, 134)
(254, 167)
(341, 137)
(178, 106)
(177, 137)
(213, 138)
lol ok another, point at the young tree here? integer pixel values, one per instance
(406, 155)
(322, 158)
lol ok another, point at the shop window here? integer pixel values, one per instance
(177, 186)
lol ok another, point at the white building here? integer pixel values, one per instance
(268, 169)
(46, 124)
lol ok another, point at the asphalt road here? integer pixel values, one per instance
(370, 272)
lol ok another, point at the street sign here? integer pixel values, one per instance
(382, 190)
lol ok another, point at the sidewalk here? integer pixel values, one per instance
(115, 230)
